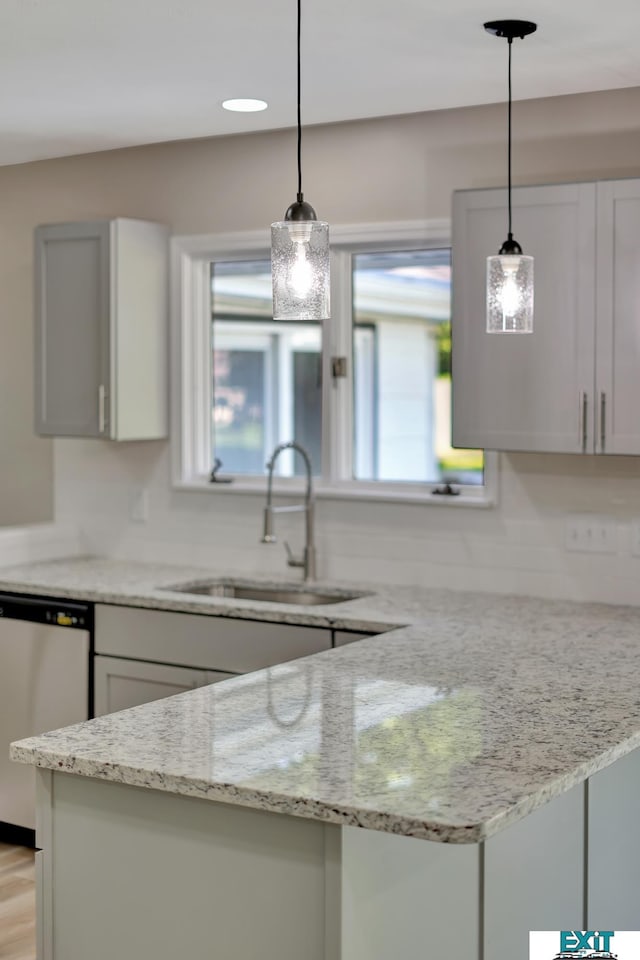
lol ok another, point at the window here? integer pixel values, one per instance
(402, 370)
(368, 396)
(266, 374)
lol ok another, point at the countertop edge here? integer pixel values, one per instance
(320, 810)
(579, 775)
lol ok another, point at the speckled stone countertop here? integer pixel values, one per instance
(448, 729)
(103, 580)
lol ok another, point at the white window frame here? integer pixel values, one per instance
(191, 257)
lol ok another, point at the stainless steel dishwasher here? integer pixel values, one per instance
(45, 683)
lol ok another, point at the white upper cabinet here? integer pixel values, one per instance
(617, 386)
(526, 391)
(101, 302)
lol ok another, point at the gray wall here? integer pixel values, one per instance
(374, 170)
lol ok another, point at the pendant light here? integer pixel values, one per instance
(300, 251)
(510, 273)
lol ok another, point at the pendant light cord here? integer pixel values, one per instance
(299, 110)
(508, 136)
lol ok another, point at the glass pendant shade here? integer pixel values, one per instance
(510, 273)
(300, 269)
(509, 294)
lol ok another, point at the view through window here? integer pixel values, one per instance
(402, 370)
(267, 375)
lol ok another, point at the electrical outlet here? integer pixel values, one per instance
(139, 505)
(635, 537)
(591, 533)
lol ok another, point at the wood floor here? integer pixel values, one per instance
(17, 903)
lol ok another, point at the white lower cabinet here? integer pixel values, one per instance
(534, 876)
(614, 846)
(144, 655)
(120, 684)
(235, 876)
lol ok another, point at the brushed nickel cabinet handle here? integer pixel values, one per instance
(102, 416)
(603, 422)
(584, 406)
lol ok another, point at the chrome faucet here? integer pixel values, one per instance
(308, 560)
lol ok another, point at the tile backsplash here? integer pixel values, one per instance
(519, 546)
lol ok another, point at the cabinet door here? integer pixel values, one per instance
(120, 684)
(72, 299)
(618, 323)
(533, 391)
(139, 315)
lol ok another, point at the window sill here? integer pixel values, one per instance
(382, 493)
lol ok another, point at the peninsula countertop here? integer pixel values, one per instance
(449, 729)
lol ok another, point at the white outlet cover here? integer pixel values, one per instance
(591, 533)
(635, 537)
(139, 506)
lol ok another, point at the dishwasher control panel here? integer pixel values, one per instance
(77, 616)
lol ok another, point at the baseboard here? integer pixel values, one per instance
(20, 836)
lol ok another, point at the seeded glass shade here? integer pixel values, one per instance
(509, 294)
(300, 269)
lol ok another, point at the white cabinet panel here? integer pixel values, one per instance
(120, 684)
(534, 876)
(525, 392)
(618, 323)
(72, 327)
(41, 931)
(614, 845)
(408, 898)
(214, 643)
(143, 875)
(101, 329)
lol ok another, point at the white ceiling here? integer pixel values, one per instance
(83, 75)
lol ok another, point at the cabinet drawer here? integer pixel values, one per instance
(210, 643)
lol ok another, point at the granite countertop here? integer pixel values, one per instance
(448, 729)
(102, 580)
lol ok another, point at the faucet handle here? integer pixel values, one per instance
(292, 560)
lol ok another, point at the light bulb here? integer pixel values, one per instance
(301, 278)
(510, 295)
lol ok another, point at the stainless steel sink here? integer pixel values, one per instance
(282, 593)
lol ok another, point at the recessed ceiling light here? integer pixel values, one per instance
(245, 106)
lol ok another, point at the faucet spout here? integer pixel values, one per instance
(268, 535)
(308, 560)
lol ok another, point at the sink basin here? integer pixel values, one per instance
(283, 593)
